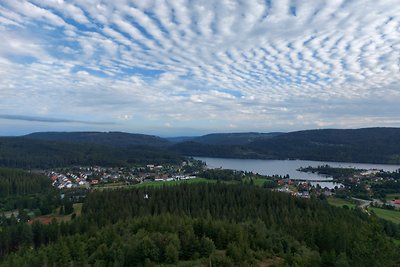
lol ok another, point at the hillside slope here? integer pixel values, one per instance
(233, 138)
(369, 145)
(118, 139)
(374, 145)
(20, 152)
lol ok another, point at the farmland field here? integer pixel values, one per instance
(390, 215)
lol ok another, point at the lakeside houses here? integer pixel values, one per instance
(92, 176)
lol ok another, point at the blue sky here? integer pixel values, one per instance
(181, 67)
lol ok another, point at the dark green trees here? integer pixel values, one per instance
(229, 225)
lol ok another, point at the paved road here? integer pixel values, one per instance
(363, 203)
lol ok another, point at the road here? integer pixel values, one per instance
(363, 203)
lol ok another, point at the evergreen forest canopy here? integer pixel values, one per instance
(18, 182)
(229, 225)
(26, 190)
(18, 152)
(117, 139)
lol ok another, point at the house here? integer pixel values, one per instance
(396, 201)
(305, 194)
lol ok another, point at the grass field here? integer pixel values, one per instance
(78, 208)
(390, 197)
(390, 215)
(160, 184)
(339, 202)
(109, 186)
(172, 183)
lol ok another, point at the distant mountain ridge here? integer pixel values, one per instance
(369, 145)
(30, 153)
(233, 138)
(131, 139)
(117, 139)
(373, 145)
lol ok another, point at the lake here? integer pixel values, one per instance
(284, 167)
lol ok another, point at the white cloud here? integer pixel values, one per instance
(285, 64)
(34, 12)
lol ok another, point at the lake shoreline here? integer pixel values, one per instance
(294, 159)
(290, 167)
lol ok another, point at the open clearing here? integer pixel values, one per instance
(390, 197)
(390, 215)
(172, 183)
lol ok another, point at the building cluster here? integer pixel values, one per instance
(68, 180)
(94, 175)
(301, 188)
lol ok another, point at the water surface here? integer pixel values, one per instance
(284, 167)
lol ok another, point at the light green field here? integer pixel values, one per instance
(339, 202)
(109, 185)
(390, 197)
(172, 183)
(78, 208)
(390, 215)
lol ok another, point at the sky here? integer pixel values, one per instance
(190, 67)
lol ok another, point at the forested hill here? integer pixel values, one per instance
(370, 145)
(19, 152)
(373, 145)
(118, 139)
(232, 138)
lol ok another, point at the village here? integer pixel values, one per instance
(363, 188)
(92, 176)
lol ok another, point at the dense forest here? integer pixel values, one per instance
(26, 190)
(116, 139)
(17, 152)
(223, 139)
(18, 182)
(229, 225)
(169, 239)
(192, 148)
(373, 145)
(370, 145)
